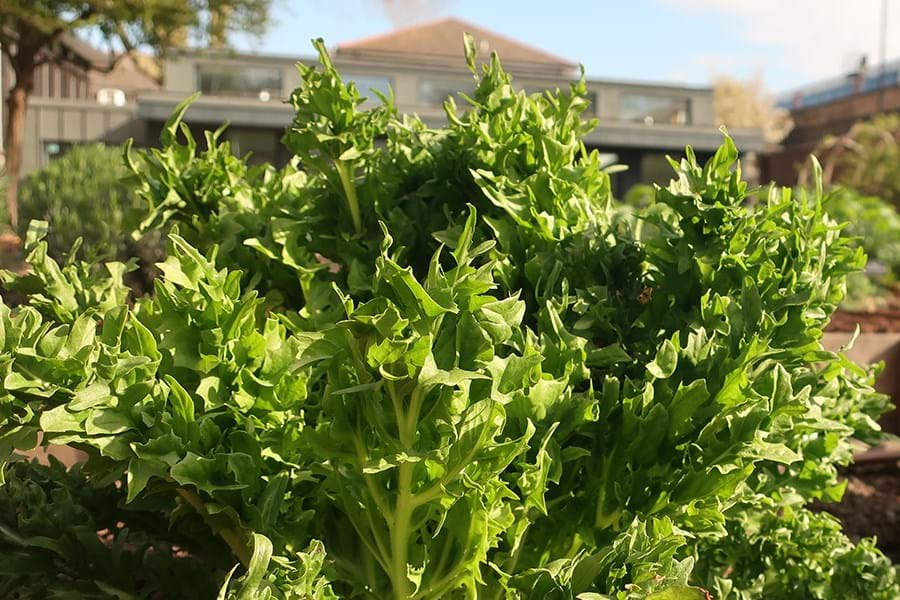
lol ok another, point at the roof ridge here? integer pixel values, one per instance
(404, 29)
(506, 38)
(540, 56)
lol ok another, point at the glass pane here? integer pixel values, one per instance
(261, 144)
(253, 82)
(369, 84)
(433, 92)
(592, 109)
(655, 168)
(650, 109)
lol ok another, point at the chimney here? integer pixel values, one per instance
(858, 76)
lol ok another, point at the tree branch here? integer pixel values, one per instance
(82, 19)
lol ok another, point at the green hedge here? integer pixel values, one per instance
(81, 194)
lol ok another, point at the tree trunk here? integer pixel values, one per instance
(16, 111)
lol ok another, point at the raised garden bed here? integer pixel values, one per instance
(871, 504)
(878, 341)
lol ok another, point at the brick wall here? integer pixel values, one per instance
(813, 123)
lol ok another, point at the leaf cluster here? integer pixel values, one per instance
(436, 363)
(875, 224)
(83, 195)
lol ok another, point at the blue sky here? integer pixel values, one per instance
(785, 42)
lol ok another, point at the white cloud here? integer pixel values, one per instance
(705, 67)
(818, 38)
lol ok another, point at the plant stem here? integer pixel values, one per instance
(370, 480)
(407, 423)
(370, 545)
(439, 588)
(232, 537)
(370, 571)
(400, 533)
(513, 561)
(350, 194)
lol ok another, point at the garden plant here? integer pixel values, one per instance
(93, 212)
(82, 194)
(875, 224)
(430, 363)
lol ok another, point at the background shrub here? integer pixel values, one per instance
(82, 195)
(875, 225)
(865, 158)
(875, 222)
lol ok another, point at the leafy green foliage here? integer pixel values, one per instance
(83, 195)
(794, 553)
(876, 226)
(60, 292)
(62, 536)
(436, 363)
(865, 158)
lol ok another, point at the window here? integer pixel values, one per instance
(111, 97)
(249, 82)
(650, 109)
(369, 84)
(433, 92)
(594, 108)
(655, 168)
(261, 144)
(54, 150)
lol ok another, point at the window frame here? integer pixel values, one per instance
(673, 99)
(276, 93)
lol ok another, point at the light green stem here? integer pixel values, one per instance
(400, 533)
(401, 524)
(362, 459)
(350, 192)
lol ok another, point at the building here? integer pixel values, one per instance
(79, 99)
(639, 122)
(830, 108)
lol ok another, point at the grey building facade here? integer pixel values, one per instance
(639, 123)
(79, 99)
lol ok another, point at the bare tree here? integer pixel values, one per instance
(746, 104)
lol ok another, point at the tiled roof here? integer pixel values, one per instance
(91, 55)
(132, 75)
(441, 41)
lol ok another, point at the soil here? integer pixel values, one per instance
(883, 317)
(885, 320)
(871, 504)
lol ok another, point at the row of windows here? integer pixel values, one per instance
(265, 83)
(651, 109)
(250, 82)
